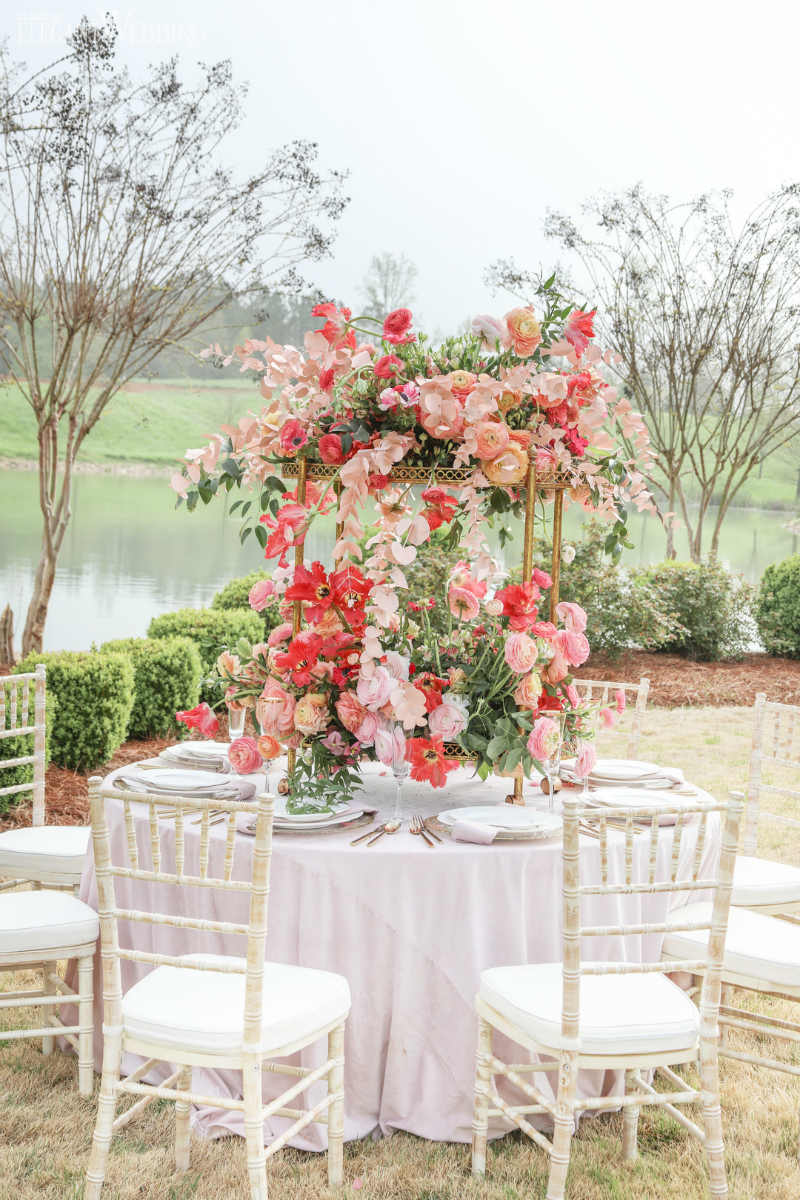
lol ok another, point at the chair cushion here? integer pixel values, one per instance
(757, 946)
(758, 881)
(54, 849)
(44, 920)
(619, 1014)
(204, 1010)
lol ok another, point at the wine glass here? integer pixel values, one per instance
(552, 762)
(400, 769)
(268, 746)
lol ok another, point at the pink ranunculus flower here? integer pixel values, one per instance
(557, 669)
(571, 693)
(491, 438)
(350, 711)
(311, 714)
(585, 762)
(521, 652)
(447, 720)
(619, 697)
(528, 691)
(375, 686)
(367, 728)
(281, 633)
(244, 756)
(543, 739)
(542, 578)
(607, 717)
(260, 594)
(463, 603)
(573, 616)
(275, 710)
(574, 646)
(390, 744)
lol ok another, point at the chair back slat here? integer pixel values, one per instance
(684, 875)
(774, 745)
(168, 825)
(17, 720)
(600, 691)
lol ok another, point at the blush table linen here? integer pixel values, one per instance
(411, 928)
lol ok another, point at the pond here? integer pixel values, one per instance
(130, 554)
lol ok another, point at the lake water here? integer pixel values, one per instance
(130, 554)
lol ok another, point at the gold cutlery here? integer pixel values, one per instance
(432, 832)
(416, 826)
(389, 827)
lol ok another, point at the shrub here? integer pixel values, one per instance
(94, 698)
(20, 747)
(778, 610)
(713, 608)
(234, 596)
(167, 677)
(211, 630)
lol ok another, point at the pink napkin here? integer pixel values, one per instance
(471, 831)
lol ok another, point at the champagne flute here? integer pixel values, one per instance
(400, 769)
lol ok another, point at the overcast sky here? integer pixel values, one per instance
(461, 122)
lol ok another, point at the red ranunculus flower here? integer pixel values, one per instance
(431, 687)
(548, 703)
(312, 587)
(330, 448)
(396, 327)
(350, 589)
(300, 658)
(387, 367)
(428, 762)
(200, 717)
(519, 602)
(575, 443)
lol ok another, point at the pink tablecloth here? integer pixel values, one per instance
(411, 928)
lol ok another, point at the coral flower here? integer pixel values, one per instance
(462, 602)
(335, 329)
(293, 436)
(428, 762)
(200, 717)
(441, 507)
(491, 437)
(579, 328)
(508, 467)
(330, 449)
(396, 327)
(244, 757)
(525, 331)
(387, 366)
(350, 589)
(300, 658)
(260, 594)
(519, 602)
(313, 588)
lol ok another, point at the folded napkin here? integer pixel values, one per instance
(471, 831)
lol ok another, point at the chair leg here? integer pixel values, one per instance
(254, 1129)
(630, 1121)
(112, 1057)
(48, 1042)
(725, 998)
(712, 1116)
(336, 1109)
(182, 1113)
(86, 1022)
(480, 1119)
(564, 1125)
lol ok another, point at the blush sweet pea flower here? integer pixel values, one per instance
(491, 330)
(244, 756)
(408, 703)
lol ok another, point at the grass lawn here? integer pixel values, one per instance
(45, 1128)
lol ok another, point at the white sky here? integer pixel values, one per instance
(462, 121)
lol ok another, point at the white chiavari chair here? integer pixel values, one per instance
(204, 1010)
(52, 856)
(764, 885)
(581, 1014)
(604, 692)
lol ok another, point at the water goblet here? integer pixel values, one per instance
(237, 716)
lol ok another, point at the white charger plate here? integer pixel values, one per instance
(503, 816)
(619, 770)
(631, 797)
(174, 780)
(198, 750)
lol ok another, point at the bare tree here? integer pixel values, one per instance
(706, 319)
(388, 284)
(121, 233)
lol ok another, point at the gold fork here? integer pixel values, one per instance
(417, 825)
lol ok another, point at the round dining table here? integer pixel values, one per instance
(411, 927)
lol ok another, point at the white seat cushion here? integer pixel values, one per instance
(204, 1010)
(758, 881)
(619, 1014)
(44, 920)
(44, 850)
(757, 946)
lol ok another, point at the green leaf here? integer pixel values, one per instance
(261, 536)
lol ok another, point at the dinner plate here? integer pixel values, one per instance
(200, 749)
(619, 770)
(342, 818)
(174, 780)
(502, 816)
(631, 797)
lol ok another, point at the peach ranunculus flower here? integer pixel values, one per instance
(440, 412)
(461, 383)
(508, 400)
(520, 652)
(244, 757)
(350, 711)
(528, 691)
(508, 468)
(573, 616)
(311, 714)
(275, 710)
(525, 331)
(491, 437)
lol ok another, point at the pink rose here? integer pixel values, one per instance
(260, 594)
(375, 685)
(244, 756)
(619, 696)
(585, 761)
(528, 691)
(447, 721)
(492, 437)
(572, 615)
(275, 710)
(520, 652)
(543, 740)
(350, 711)
(281, 633)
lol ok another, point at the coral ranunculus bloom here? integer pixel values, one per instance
(396, 327)
(428, 762)
(579, 328)
(200, 717)
(387, 367)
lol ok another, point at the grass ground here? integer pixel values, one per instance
(45, 1128)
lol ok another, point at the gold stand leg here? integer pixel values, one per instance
(515, 797)
(555, 572)
(297, 610)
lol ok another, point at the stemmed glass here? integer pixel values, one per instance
(237, 716)
(400, 769)
(268, 746)
(552, 763)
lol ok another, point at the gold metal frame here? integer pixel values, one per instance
(534, 485)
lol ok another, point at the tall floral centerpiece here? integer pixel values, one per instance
(410, 444)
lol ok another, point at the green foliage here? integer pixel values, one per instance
(778, 609)
(234, 596)
(20, 747)
(427, 578)
(94, 696)
(712, 607)
(212, 631)
(167, 677)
